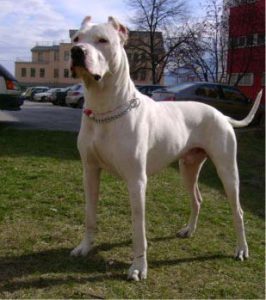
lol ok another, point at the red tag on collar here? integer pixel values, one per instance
(87, 111)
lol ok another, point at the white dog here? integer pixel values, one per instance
(132, 136)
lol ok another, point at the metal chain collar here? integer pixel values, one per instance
(111, 116)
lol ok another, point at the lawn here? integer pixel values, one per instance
(42, 213)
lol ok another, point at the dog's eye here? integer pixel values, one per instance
(76, 39)
(102, 41)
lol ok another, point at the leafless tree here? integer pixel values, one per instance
(205, 52)
(208, 53)
(191, 55)
(158, 18)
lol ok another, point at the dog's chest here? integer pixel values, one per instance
(104, 157)
(100, 146)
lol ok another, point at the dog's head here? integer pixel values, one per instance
(97, 49)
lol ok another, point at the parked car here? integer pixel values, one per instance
(75, 96)
(228, 99)
(148, 89)
(31, 91)
(45, 96)
(59, 97)
(9, 91)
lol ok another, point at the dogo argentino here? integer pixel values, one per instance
(132, 136)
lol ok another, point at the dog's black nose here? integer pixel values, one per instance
(77, 55)
(97, 77)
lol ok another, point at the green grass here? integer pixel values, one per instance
(42, 213)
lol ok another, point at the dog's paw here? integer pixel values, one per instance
(186, 232)
(82, 249)
(138, 269)
(241, 252)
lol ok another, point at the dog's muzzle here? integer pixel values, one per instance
(78, 56)
(78, 59)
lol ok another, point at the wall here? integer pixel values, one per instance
(246, 53)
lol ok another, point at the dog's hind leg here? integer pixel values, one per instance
(190, 165)
(226, 165)
(228, 173)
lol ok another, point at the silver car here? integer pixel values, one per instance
(45, 96)
(75, 96)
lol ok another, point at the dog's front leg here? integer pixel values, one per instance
(91, 180)
(137, 191)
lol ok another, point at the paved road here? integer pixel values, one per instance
(42, 116)
(34, 115)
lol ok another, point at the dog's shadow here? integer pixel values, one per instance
(56, 266)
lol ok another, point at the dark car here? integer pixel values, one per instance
(148, 89)
(60, 97)
(9, 91)
(227, 99)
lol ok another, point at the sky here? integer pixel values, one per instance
(23, 23)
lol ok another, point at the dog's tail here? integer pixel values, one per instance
(245, 122)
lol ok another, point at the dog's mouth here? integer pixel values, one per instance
(82, 71)
(76, 70)
(78, 64)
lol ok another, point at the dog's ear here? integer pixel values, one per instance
(86, 21)
(122, 30)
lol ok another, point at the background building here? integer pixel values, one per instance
(246, 53)
(50, 63)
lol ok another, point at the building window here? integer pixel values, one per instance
(250, 40)
(261, 39)
(241, 41)
(66, 73)
(40, 57)
(56, 73)
(23, 72)
(56, 55)
(134, 76)
(42, 72)
(66, 55)
(142, 75)
(247, 41)
(232, 43)
(246, 79)
(32, 72)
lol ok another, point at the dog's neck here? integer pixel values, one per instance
(113, 91)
